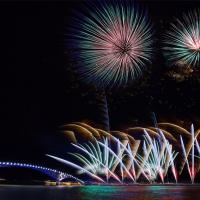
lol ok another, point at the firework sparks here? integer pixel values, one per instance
(99, 159)
(114, 43)
(151, 158)
(182, 41)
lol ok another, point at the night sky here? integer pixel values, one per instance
(40, 90)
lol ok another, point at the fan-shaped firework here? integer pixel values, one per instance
(113, 43)
(182, 41)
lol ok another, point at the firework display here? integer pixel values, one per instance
(182, 40)
(100, 100)
(119, 157)
(113, 42)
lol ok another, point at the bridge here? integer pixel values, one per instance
(53, 173)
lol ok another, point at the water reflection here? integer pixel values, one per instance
(100, 193)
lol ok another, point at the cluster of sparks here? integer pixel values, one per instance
(114, 43)
(182, 41)
(123, 162)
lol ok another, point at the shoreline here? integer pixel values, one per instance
(104, 185)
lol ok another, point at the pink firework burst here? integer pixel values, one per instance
(115, 43)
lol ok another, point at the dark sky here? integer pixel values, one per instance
(39, 90)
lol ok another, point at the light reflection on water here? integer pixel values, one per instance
(100, 193)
